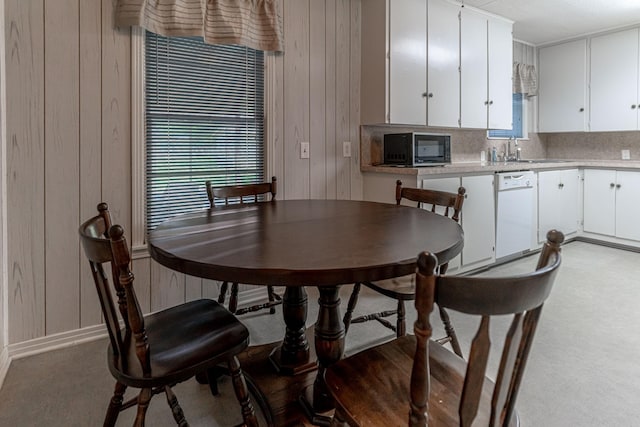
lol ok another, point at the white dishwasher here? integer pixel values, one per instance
(514, 217)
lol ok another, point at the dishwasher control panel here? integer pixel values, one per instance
(513, 180)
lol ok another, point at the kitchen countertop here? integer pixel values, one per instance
(475, 167)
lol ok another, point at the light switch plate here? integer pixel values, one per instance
(304, 150)
(626, 155)
(346, 149)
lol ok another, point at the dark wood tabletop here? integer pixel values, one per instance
(303, 242)
(297, 243)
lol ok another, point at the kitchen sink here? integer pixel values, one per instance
(539, 161)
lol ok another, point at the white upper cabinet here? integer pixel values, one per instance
(562, 99)
(500, 54)
(443, 59)
(474, 69)
(411, 65)
(614, 81)
(408, 62)
(486, 57)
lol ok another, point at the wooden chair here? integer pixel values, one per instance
(157, 351)
(403, 288)
(414, 376)
(246, 193)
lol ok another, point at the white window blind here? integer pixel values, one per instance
(204, 121)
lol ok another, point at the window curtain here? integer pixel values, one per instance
(253, 23)
(525, 76)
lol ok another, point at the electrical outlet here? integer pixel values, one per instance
(346, 149)
(304, 150)
(626, 155)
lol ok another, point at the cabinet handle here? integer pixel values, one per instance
(430, 95)
(633, 107)
(612, 185)
(582, 110)
(618, 185)
(561, 185)
(490, 102)
(424, 94)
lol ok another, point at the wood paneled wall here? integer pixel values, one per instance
(68, 132)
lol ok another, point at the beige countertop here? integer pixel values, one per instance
(478, 167)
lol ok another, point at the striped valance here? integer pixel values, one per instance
(253, 23)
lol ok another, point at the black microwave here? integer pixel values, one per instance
(414, 149)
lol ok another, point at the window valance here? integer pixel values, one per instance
(253, 23)
(525, 79)
(525, 76)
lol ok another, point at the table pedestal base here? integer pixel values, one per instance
(310, 405)
(292, 357)
(295, 367)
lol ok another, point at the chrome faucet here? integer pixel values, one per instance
(516, 154)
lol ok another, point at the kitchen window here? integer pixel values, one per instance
(519, 129)
(204, 120)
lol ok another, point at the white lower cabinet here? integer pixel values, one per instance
(611, 203)
(558, 202)
(477, 219)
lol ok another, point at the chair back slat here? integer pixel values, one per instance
(105, 244)
(245, 193)
(476, 371)
(425, 290)
(122, 260)
(97, 248)
(507, 364)
(445, 203)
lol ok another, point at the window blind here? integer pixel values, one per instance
(204, 121)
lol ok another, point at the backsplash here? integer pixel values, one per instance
(466, 144)
(592, 145)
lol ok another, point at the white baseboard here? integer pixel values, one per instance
(4, 364)
(56, 341)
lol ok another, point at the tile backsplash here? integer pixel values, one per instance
(592, 145)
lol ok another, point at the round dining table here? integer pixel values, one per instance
(298, 243)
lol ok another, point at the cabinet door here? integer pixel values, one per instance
(478, 220)
(627, 206)
(599, 201)
(557, 202)
(614, 81)
(473, 69)
(443, 60)
(500, 54)
(408, 62)
(562, 100)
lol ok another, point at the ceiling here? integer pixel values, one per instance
(545, 21)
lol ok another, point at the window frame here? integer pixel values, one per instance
(138, 137)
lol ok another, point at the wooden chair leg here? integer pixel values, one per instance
(272, 299)
(401, 324)
(115, 405)
(353, 300)
(143, 404)
(233, 298)
(240, 387)
(338, 419)
(451, 333)
(176, 410)
(223, 292)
